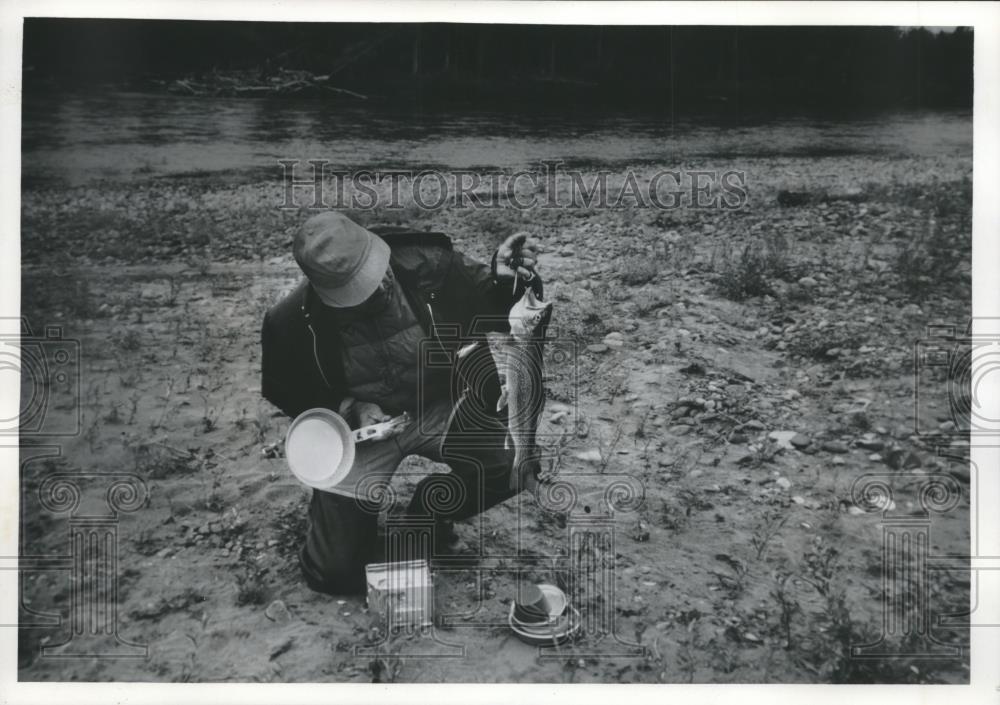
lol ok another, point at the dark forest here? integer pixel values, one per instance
(726, 69)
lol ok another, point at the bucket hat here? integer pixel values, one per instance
(344, 262)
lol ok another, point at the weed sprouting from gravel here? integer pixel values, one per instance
(636, 270)
(747, 272)
(252, 589)
(765, 532)
(788, 607)
(932, 258)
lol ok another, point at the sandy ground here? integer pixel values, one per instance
(734, 557)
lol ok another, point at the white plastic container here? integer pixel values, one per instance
(401, 593)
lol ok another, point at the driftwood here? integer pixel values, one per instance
(257, 83)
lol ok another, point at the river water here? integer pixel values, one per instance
(119, 136)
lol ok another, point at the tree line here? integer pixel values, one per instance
(726, 69)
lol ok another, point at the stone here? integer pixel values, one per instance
(591, 456)
(738, 437)
(783, 438)
(808, 281)
(834, 447)
(869, 443)
(783, 482)
(278, 612)
(754, 425)
(799, 441)
(680, 429)
(597, 348)
(640, 532)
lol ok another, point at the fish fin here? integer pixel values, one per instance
(502, 399)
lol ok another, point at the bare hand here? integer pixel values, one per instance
(369, 413)
(518, 253)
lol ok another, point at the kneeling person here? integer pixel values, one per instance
(354, 337)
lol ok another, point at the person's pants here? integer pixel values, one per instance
(343, 524)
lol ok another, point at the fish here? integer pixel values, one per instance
(518, 356)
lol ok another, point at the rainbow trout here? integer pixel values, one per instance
(521, 370)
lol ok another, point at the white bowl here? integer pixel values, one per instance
(319, 447)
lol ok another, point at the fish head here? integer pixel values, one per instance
(529, 316)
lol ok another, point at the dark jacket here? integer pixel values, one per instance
(456, 299)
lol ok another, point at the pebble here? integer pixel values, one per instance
(799, 441)
(808, 281)
(754, 425)
(738, 438)
(834, 447)
(591, 456)
(277, 612)
(783, 482)
(783, 438)
(614, 340)
(869, 443)
(597, 348)
(680, 429)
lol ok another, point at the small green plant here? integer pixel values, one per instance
(636, 270)
(788, 607)
(747, 272)
(932, 258)
(647, 302)
(251, 586)
(129, 341)
(733, 582)
(173, 291)
(210, 413)
(607, 447)
(769, 527)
